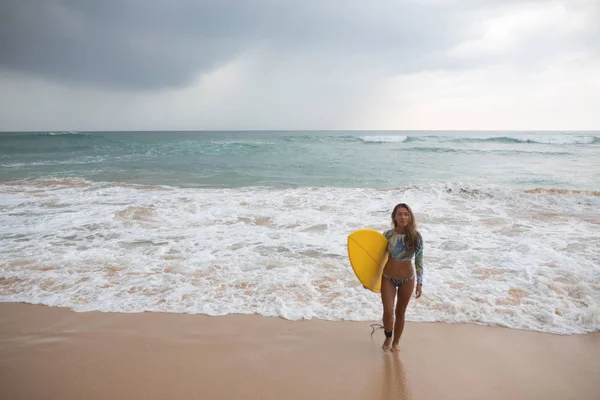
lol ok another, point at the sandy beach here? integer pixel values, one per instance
(54, 353)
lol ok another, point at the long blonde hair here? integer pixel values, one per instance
(412, 235)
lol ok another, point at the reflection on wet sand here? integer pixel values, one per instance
(394, 384)
(389, 380)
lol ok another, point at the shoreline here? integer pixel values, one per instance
(55, 353)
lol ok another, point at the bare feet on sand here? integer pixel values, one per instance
(386, 344)
(395, 347)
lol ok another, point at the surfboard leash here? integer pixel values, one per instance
(375, 327)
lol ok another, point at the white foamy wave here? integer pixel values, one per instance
(60, 133)
(26, 185)
(75, 161)
(29, 164)
(383, 139)
(554, 139)
(492, 255)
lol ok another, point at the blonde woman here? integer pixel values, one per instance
(398, 282)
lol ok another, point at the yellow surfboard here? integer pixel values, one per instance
(367, 251)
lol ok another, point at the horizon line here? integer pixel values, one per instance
(302, 130)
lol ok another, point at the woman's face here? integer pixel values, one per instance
(402, 217)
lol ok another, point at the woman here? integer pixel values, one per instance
(404, 242)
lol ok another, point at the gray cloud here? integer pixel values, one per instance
(134, 45)
(152, 44)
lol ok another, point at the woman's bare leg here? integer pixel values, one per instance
(404, 294)
(388, 295)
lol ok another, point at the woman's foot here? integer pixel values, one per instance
(395, 347)
(386, 344)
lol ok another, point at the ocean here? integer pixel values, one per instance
(256, 222)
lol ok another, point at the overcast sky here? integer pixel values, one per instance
(310, 64)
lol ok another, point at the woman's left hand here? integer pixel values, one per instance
(418, 291)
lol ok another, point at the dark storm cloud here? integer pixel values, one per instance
(152, 44)
(137, 44)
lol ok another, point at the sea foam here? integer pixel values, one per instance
(384, 139)
(494, 256)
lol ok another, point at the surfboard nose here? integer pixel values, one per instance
(367, 252)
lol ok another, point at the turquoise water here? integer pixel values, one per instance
(300, 159)
(257, 222)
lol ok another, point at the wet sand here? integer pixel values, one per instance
(54, 353)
